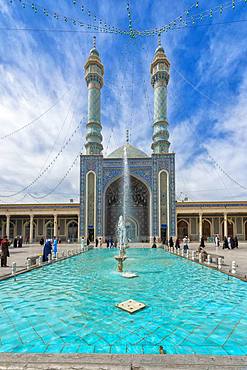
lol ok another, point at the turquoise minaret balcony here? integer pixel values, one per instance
(160, 69)
(94, 72)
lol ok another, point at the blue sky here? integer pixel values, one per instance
(41, 67)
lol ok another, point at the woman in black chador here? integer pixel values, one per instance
(171, 242)
(47, 250)
(15, 242)
(177, 244)
(202, 244)
(20, 242)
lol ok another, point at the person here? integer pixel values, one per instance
(96, 242)
(217, 241)
(229, 242)
(232, 243)
(88, 241)
(225, 243)
(202, 243)
(186, 243)
(82, 242)
(47, 250)
(55, 246)
(171, 242)
(15, 242)
(107, 243)
(177, 244)
(236, 242)
(20, 242)
(4, 251)
(111, 243)
(115, 244)
(41, 242)
(204, 254)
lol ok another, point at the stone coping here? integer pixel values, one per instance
(119, 362)
(209, 265)
(35, 267)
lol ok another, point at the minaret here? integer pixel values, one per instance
(94, 72)
(160, 69)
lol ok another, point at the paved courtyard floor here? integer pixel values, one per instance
(239, 255)
(20, 255)
(120, 362)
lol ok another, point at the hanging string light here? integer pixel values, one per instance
(132, 34)
(59, 182)
(75, 22)
(85, 10)
(43, 172)
(183, 20)
(191, 19)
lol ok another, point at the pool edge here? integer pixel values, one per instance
(115, 361)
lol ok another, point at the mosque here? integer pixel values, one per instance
(151, 202)
(152, 207)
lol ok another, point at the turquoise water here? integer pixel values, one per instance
(69, 307)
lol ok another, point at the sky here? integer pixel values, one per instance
(43, 94)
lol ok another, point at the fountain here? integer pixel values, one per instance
(121, 229)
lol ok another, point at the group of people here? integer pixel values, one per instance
(110, 243)
(51, 245)
(18, 241)
(177, 244)
(230, 242)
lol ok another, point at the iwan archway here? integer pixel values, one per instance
(138, 214)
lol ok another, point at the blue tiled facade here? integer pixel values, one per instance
(109, 170)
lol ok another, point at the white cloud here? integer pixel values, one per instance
(34, 73)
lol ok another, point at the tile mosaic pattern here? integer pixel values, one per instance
(94, 105)
(69, 307)
(160, 103)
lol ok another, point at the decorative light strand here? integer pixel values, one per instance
(60, 181)
(35, 119)
(66, 19)
(131, 31)
(87, 12)
(188, 18)
(46, 168)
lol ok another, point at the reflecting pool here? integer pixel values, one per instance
(69, 307)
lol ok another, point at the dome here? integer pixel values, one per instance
(160, 49)
(132, 152)
(94, 51)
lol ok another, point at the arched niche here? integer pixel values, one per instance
(91, 205)
(182, 229)
(206, 229)
(163, 196)
(138, 209)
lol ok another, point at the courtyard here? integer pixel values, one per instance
(123, 166)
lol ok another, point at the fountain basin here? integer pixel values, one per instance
(129, 275)
(120, 259)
